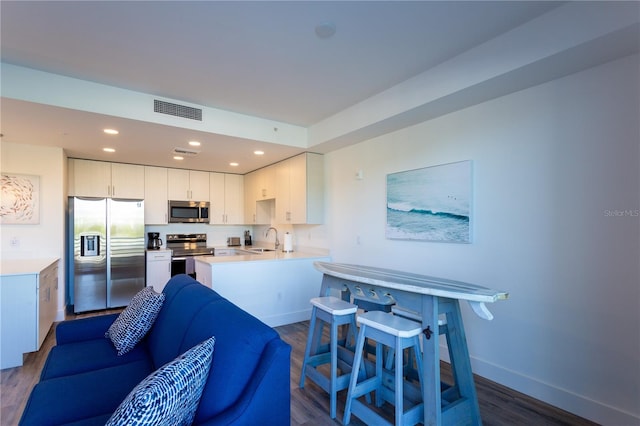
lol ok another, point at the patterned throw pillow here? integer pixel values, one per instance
(135, 321)
(170, 395)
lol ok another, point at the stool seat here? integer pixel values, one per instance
(390, 324)
(334, 305)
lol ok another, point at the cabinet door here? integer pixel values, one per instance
(234, 199)
(178, 184)
(158, 269)
(250, 191)
(266, 188)
(216, 197)
(155, 196)
(90, 178)
(199, 185)
(127, 181)
(48, 301)
(298, 189)
(283, 192)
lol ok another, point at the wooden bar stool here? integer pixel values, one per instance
(411, 368)
(398, 334)
(335, 312)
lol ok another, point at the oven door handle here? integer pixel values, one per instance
(178, 258)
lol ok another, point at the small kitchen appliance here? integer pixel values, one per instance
(155, 242)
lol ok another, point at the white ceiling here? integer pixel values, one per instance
(262, 59)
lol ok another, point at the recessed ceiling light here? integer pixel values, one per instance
(108, 150)
(194, 143)
(325, 29)
(258, 152)
(177, 157)
(111, 131)
(233, 164)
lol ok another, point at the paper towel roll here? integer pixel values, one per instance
(288, 243)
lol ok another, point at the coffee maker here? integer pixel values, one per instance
(155, 243)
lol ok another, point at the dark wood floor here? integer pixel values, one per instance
(310, 406)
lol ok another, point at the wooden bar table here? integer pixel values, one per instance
(434, 299)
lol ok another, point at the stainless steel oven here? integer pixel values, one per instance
(185, 247)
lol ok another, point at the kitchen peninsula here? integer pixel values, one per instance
(273, 286)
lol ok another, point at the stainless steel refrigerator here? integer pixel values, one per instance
(106, 250)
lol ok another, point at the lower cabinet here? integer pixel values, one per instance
(28, 308)
(158, 268)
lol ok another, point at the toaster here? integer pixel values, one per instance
(233, 241)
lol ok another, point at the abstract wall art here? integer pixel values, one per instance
(431, 203)
(19, 199)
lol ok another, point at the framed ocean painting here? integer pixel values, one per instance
(430, 204)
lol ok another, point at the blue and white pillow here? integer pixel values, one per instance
(170, 395)
(136, 320)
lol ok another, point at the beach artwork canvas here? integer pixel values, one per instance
(430, 204)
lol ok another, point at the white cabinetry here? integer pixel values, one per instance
(188, 185)
(256, 211)
(88, 178)
(265, 188)
(28, 307)
(300, 190)
(227, 198)
(158, 268)
(155, 196)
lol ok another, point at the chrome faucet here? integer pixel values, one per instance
(266, 234)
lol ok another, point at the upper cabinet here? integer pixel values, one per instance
(300, 189)
(155, 196)
(227, 199)
(265, 183)
(188, 185)
(88, 178)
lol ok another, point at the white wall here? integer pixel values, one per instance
(556, 203)
(46, 239)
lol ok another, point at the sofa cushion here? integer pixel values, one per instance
(72, 358)
(81, 396)
(135, 321)
(170, 395)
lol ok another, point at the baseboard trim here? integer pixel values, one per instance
(564, 399)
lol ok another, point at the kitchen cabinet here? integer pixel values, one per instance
(300, 190)
(256, 211)
(188, 185)
(88, 178)
(265, 183)
(155, 196)
(28, 307)
(158, 268)
(227, 198)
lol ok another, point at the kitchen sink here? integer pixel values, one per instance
(260, 250)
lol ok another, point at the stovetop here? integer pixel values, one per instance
(188, 245)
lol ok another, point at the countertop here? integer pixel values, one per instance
(261, 257)
(25, 266)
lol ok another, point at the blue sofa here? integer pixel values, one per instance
(84, 381)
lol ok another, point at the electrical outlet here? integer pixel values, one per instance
(15, 242)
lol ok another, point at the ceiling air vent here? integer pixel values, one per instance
(178, 110)
(185, 151)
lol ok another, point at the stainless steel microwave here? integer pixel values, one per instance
(188, 212)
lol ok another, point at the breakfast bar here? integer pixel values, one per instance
(434, 299)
